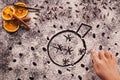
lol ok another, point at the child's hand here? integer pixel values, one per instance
(105, 65)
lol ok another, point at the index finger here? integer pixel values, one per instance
(94, 56)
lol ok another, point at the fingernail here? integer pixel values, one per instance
(92, 51)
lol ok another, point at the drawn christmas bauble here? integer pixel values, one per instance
(67, 47)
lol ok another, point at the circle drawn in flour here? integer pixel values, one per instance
(67, 47)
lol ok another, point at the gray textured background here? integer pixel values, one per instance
(23, 54)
